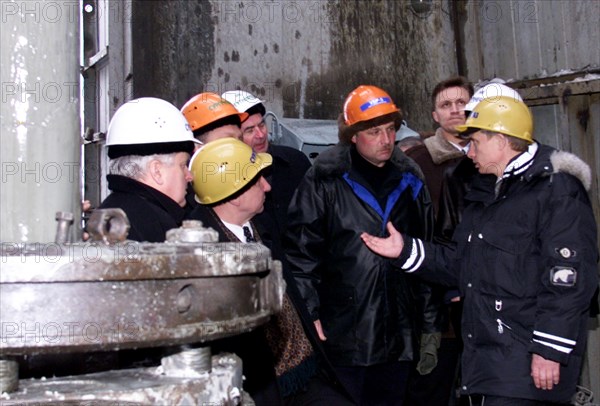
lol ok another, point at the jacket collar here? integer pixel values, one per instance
(549, 161)
(545, 162)
(521, 162)
(123, 184)
(336, 161)
(440, 149)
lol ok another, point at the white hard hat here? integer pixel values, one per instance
(241, 100)
(405, 131)
(148, 126)
(490, 92)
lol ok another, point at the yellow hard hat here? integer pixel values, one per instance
(223, 167)
(503, 114)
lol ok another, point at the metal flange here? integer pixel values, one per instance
(98, 297)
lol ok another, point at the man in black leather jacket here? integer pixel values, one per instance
(368, 315)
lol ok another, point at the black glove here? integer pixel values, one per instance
(430, 343)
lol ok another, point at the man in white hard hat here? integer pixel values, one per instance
(288, 169)
(149, 143)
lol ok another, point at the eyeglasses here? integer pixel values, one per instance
(250, 130)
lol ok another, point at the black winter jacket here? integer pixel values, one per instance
(151, 213)
(370, 313)
(526, 264)
(284, 175)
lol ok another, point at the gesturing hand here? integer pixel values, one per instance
(389, 247)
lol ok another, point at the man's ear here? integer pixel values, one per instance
(155, 171)
(353, 139)
(436, 116)
(235, 202)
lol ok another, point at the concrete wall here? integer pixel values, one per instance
(302, 57)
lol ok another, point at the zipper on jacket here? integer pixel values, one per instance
(501, 326)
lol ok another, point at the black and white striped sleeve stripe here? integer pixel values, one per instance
(416, 256)
(558, 343)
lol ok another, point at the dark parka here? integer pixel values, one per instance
(151, 213)
(526, 263)
(284, 175)
(368, 310)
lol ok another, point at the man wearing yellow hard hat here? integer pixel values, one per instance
(525, 260)
(282, 365)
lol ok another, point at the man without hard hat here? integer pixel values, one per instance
(448, 172)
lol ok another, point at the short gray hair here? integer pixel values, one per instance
(134, 166)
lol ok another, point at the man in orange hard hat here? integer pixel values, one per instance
(210, 117)
(364, 310)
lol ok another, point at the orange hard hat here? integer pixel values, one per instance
(206, 108)
(366, 103)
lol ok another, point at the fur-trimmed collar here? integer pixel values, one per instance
(440, 149)
(549, 161)
(563, 161)
(335, 161)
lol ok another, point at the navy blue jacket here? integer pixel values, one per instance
(525, 261)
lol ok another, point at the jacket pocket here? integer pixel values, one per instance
(338, 316)
(503, 255)
(498, 321)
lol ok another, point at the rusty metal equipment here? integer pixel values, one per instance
(95, 296)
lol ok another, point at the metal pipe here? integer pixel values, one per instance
(9, 376)
(65, 221)
(40, 126)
